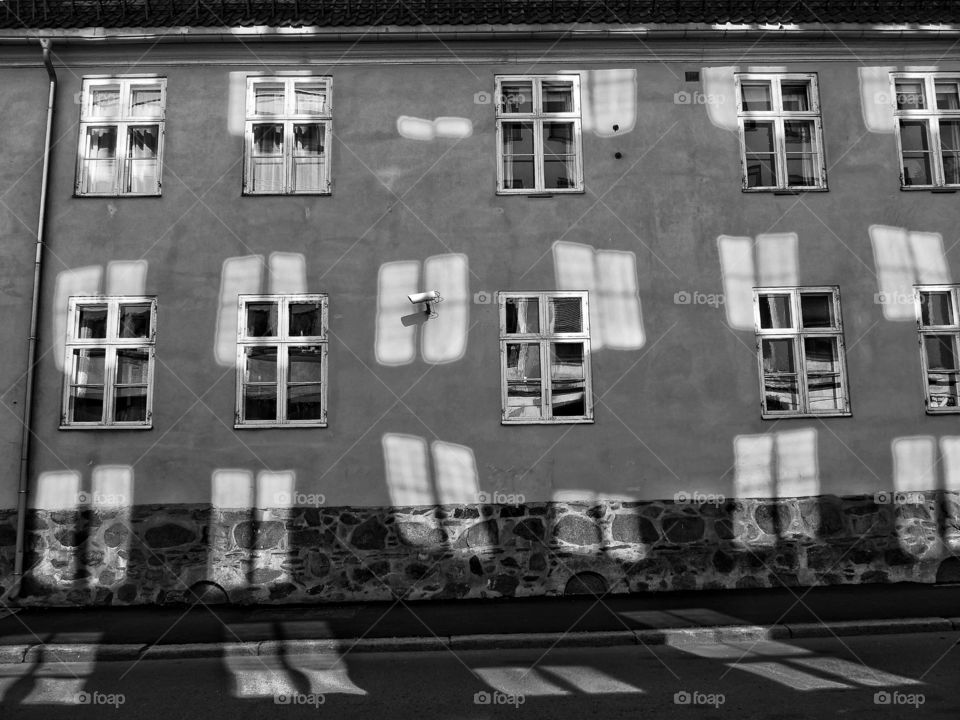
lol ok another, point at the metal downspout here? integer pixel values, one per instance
(26, 430)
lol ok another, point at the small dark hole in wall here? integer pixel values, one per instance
(618, 155)
(616, 127)
(691, 75)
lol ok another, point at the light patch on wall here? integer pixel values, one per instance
(589, 496)
(444, 128)
(776, 264)
(610, 276)
(903, 259)
(395, 343)
(444, 338)
(408, 473)
(236, 102)
(79, 281)
(239, 276)
(767, 69)
(231, 489)
(127, 277)
(914, 463)
(57, 490)
(950, 459)
(456, 470)
(111, 486)
(287, 273)
(720, 86)
(779, 464)
(877, 99)
(608, 98)
(275, 489)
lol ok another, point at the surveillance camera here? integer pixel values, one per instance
(431, 296)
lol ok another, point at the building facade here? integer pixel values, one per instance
(446, 300)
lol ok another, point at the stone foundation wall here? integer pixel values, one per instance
(163, 553)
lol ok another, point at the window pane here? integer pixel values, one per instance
(950, 151)
(558, 138)
(88, 366)
(758, 139)
(145, 101)
(778, 356)
(941, 354)
(261, 319)
(304, 402)
(758, 136)
(936, 308)
(565, 315)
(780, 393)
(142, 164)
(824, 392)
(308, 157)
(910, 95)
(756, 96)
(134, 321)
(92, 321)
(518, 138)
(557, 96)
(517, 97)
(913, 136)
(943, 390)
(820, 355)
(305, 319)
(86, 404)
(309, 99)
(99, 169)
(524, 398)
(523, 361)
(816, 310)
(518, 173)
(796, 96)
(775, 311)
(568, 388)
(801, 157)
(132, 366)
(105, 101)
(916, 153)
(518, 168)
(260, 402)
(522, 315)
(131, 405)
(268, 99)
(306, 364)
(948, 97)
(261, 365)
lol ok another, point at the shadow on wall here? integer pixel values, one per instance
(770, 261)
(905, 258)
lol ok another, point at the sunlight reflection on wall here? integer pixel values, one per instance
(443, 128)
(903, 259)
(410, 481)
(720, 86)
(608, 97)
(877, 98)
(443, 339)
(776, 464)
(610, 276)
(776, 264)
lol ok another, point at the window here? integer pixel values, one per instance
(538, 134)
(109, 362)
(287, 134)
(781, 138)
(545, 357)
(282, 361)
(927, 108)
(121, 136)
(800, 352)
(939, 327)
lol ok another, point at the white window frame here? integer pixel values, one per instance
(544, 338)
(288, 119)
(283, 342)
(924, 331)
(932, 117)
(798, 333)
(777, 115)
(110, 344)
(123, 122)
(537, 117)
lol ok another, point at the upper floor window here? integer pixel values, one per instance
(781, 137)
(538, 134)
(282, 361)
(109, 362)
(288, 129)
(927, 109)
(121, 136)
(938, 321)
(545, 357)
(800, 352)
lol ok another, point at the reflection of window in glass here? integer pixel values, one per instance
(927, 108)
(800, 352)
(939, 327)
(282, 361)
(109, 362)
(545, 357)
(121, 136)
(538, 134)
(780, 132)
(288, 131)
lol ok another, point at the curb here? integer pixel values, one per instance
(674, 637)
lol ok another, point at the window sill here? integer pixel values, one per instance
(804, 416)
(785, 191)
(536, 194)
(117, 195)
(944, 411)
(102, 426)
(275, 426)
(930, 188)
(557, 421)
(291, 194)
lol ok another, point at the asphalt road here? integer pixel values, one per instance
(888, 676)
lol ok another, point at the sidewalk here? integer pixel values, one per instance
(677, 619)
